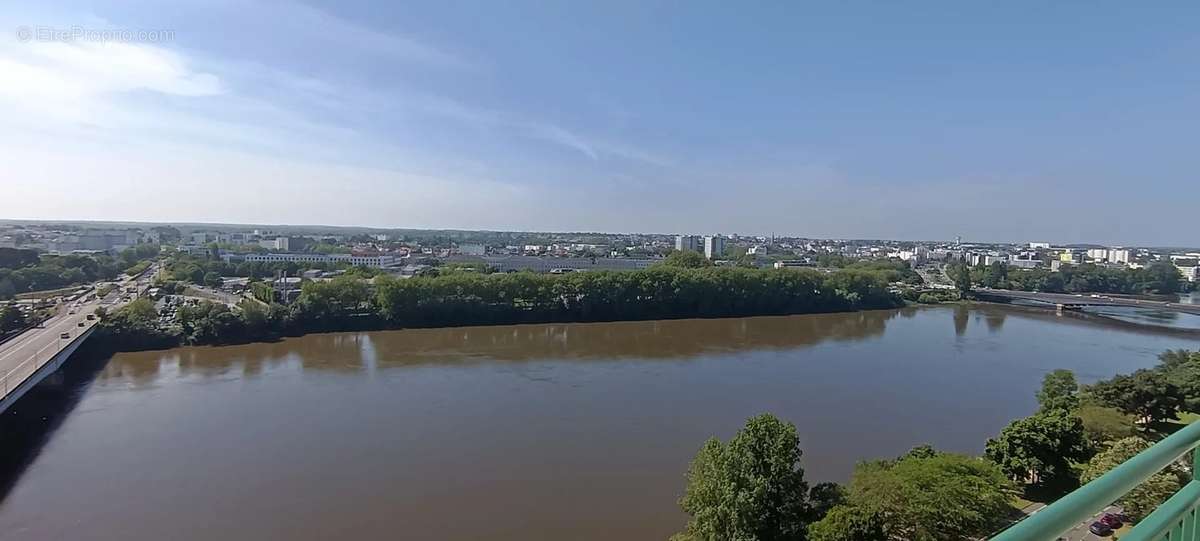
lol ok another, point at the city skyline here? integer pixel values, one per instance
(310, 229)
(810, 121)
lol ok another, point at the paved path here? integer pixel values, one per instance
(1080, 532)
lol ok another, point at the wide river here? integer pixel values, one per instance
(535, 432)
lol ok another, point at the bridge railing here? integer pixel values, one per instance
(1175, 519)
(15, 377)
(12, 379)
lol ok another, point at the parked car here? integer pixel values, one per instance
(1111, 520)
(65, 335)
(1100, 529)
(91, 317)
(80, 324)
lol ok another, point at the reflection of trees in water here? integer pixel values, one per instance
(992, 316)
(636, 339)
(962, 315)
(994, 320)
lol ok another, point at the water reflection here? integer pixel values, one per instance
(962, 316)
(353, 352)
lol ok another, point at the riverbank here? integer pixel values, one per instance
(467, 299)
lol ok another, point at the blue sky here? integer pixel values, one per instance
(1071, 122)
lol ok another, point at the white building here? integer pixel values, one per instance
(1098, 254)
(356, 260)
(1039, 246)
(277, 243)
(472, 249)
(685, 243)
(1191, 274)
(1118, 256)
(714, 246)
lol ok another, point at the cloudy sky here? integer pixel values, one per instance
(1069, 122)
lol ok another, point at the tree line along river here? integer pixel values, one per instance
(561, 431)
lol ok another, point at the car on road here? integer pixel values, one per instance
(1100, 529)
(70, 312)
(1111, 520)
(65, 335)
(91, 317)
(80, 324)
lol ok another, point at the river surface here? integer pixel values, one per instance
(534, 432)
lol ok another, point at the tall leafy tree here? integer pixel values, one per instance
(687, 259)
(751, 488)
(961, 274)
(926, 498)
(849, 523)
(1039, 448)
(11, 318)
(1059, 391)
(1146, 394)
(1103, 424)
(1182, 369)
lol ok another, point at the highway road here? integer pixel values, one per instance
(25, 354)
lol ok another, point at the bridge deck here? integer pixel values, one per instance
(23, 356)
(1088, 300)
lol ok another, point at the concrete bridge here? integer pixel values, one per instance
(25, 360)
(1067, 301)
(23, 370)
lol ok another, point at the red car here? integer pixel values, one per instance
(1111, 520)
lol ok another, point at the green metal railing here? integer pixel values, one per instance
(1176, 519)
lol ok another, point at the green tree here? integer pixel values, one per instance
(1146, 394)
(11, 318)
(1059, 391)
(686, 259)
(848, 523)
(823, 497)
(994, 275)
(1102, 424)
(961, 274)
(1148, 495)
(1039, 448)
(15, 258)
(1182, 369)
(752, 488)
(1161, 277)
(212, 279)
(930, 498)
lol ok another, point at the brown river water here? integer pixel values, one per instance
(532, 432)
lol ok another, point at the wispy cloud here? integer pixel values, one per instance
(321, 28)
(68, 79)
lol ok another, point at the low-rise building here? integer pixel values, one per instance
(356, 260)
(549, 264)
(472, 249)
